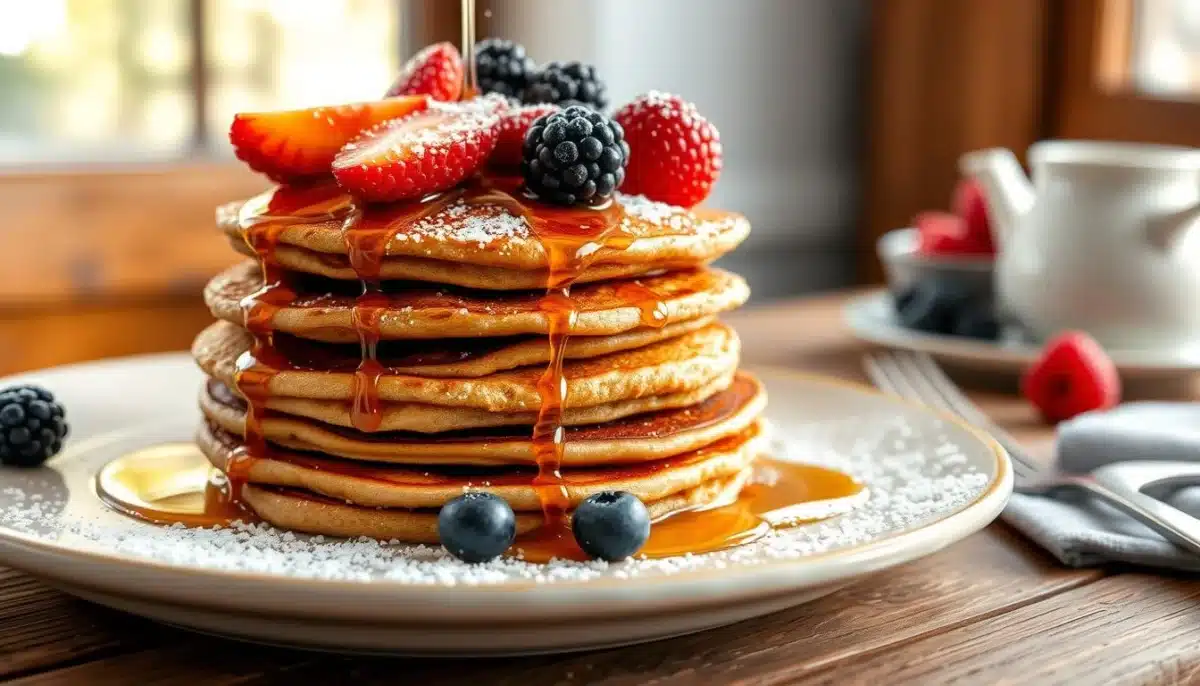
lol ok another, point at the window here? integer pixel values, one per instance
(154, 80)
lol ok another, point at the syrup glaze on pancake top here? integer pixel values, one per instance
(417, 323)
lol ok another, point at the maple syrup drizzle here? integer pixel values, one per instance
(470, 80)
(652, 307)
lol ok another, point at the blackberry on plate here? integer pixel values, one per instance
(32, 426)
(566, 83)
(501, 66)
(573, 156)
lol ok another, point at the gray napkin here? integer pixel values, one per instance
(1082, 532)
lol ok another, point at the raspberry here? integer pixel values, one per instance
(424, 153)
(970, 205)
(511, 133)
(674, 153)
(1074, 375)
(436, 71)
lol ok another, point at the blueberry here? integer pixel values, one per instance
(977, 320)
(611, 525)
(477, 527)
(934, 306)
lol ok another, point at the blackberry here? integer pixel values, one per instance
(32, 426)
(501, 66)
(576, 155)
(566, 84)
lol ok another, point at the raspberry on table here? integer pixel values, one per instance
(32, 426)
(574, 156)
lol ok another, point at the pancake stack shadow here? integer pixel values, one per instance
(355, 401)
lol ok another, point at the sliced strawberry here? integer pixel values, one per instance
(970, 205)
(511, 133)
(424, 153)
(295, 144)
(1074, 375)
(436, 71)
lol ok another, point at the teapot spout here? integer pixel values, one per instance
(1006, 189)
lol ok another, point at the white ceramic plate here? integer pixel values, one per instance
(932, 482)
(872, 318)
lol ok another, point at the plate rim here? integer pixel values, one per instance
(769, 577)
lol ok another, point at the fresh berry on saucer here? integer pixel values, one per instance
(611, 525)
(970, 206)
(574, 156)
(510, 137)
(977, 320)
(32, 426)
(1073, 375)
(566, 84)
(436, 71)
(477, 527)
(501, 66)
(674, 152)
(423, 153)
(292, 145)
(932, 305)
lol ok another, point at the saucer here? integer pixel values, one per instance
(872, 318)
(929, 482)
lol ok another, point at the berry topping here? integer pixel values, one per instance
(978, 320)
(32, 426)
(932, 305)
(577, 155)
(501, 66)
(1074, 375)
(295, 144)
(566, 83)
(477, 527)
(423, 153)
(436, 71)
(674, 153)
(611, 525)
(511, 134)
(968, 203)
(941, 234)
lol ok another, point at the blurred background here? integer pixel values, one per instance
(840, 120)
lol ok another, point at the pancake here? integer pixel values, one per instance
(678, 365)
(424, 312)
(478, 236)
(308, 513)
(426, 487)
(446, 358)
(641, 438)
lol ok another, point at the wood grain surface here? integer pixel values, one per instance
(991, 609)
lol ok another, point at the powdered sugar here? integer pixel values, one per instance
(914, 474)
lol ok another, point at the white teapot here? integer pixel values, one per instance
(1106, 239)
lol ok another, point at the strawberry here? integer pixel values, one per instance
(295, 144)
(968, 203)
(941, 233)
(423, 153)
(1072, 376)
(674, 153)
(511, 133)
(436, 71)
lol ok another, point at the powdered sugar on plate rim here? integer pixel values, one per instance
(916, 474)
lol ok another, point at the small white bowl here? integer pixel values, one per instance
(905, 266)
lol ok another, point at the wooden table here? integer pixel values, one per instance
(991, 609)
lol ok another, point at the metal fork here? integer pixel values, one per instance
(916, 376)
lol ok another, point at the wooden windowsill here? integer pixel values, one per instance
(115, 233)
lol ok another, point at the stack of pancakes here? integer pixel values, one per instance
(654, 403)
